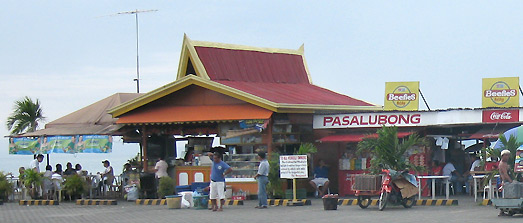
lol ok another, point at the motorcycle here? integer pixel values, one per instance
(390, 193)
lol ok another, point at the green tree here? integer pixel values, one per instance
(511, 144)
(389, 151)
(25, 117)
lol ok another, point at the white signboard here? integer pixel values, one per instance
(293, 167)
(400, 119)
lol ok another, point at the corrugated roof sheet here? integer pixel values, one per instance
(92, 119)
(295, 93)
(252, 66)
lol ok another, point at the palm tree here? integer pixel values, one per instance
(389, 151)
(25, 117)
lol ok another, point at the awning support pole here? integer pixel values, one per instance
(425, 101)
(144, 149)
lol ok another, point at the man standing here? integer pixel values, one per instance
(504, 167)
(35, 164)
(504, 173)
(218, 171)
(263, 180)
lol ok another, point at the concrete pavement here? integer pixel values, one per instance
(467, 211)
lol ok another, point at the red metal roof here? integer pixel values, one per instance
(356, 137)
(295, 93)
(252, 66)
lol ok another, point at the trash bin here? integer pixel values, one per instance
(174, 201)
(330, 203)
(201, 201)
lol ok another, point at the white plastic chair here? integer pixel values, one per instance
(488, 188)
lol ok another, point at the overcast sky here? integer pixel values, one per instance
(70, 54)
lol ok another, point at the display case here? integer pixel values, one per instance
(285, 133)
(244, 165)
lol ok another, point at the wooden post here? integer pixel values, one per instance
(294, 188)
(269, 137)
(144, 149)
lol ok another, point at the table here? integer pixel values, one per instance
(433, 179)
(490, 191)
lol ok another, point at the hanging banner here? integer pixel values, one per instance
(58, 144)
(24, 145)
(403, 96)
(500, 92)
(94, 144)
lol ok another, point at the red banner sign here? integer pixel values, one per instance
(493, 116)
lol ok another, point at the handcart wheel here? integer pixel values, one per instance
(382, 202)
(364, 201)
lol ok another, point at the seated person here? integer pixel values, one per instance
(69, 169)
(107, 176)
(321, 178)
(454, 177)
(475, 166)
(47, 183)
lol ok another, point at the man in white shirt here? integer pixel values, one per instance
(263, 180)
(35, 164)
(454, 177)
(161, 168)
(107, 176)
(473, 167)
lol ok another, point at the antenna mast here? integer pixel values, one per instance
(136, 12)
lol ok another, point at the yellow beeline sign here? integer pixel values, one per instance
(500, 92)
(402, 96)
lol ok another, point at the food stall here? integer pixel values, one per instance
(222, 90)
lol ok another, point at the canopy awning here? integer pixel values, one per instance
(356, 137)
(90, 120)
(489, 132)
(202, 113)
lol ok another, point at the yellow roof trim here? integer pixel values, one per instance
(243, 47)
(229, 91)
(302, 50)
(188, 51)
(184, 82)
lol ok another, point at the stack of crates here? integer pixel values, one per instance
(365, 182)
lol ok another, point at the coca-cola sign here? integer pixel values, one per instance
(493, 116)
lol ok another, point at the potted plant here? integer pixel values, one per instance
(6, 187)
(165, 187)
(389, 151)
(274, 188)
(305, 149)
(32, 181)
(74, 186)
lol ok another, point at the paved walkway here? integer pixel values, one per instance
(467, 211)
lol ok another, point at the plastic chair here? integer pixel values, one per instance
(443, 186)
(57, 189)
(488, 189)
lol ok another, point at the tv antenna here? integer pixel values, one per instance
(135, 13)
